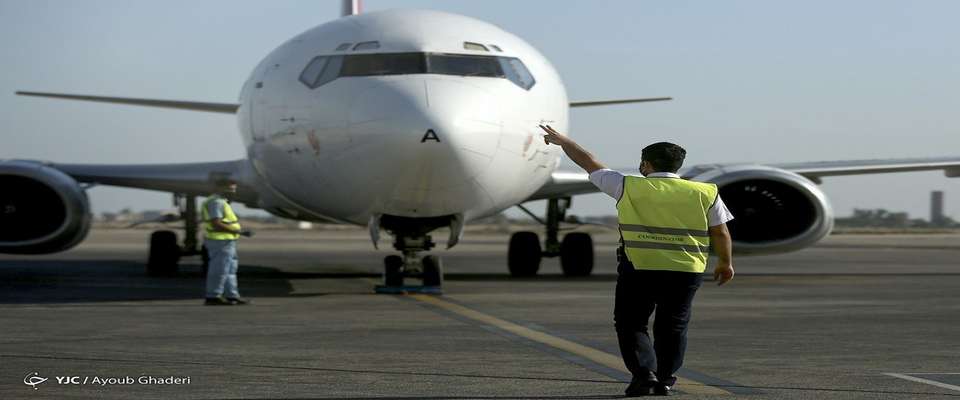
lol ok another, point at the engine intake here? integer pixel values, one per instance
(42, 210)
(775, 211)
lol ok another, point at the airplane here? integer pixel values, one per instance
(406, 121)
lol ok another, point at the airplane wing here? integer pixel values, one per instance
(189, 178)
(569, 183)
(949, 165)
(227, 108)
(574, 104)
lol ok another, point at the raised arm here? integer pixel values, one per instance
(578, 154)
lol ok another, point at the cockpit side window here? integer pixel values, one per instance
(342, 47)
(516, 72)
(331, 71)
(474, 46)
(321, 70)
(313, 70)
(367, 46)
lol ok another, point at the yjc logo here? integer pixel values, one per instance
(33, 380)
(69, 380)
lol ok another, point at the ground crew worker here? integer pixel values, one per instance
(667, 225)
(222, 229)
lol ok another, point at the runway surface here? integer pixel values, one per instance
(855, 317)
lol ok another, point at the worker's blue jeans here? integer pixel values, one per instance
(222, 274)
(639, 292)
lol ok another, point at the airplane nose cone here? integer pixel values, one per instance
(425, 139)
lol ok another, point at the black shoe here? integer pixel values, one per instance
(640, 387)
(662, 390)
(236, 301)
(216, 301)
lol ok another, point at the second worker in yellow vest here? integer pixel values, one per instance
(668, 226)
(221, 230)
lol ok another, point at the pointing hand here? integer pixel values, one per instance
(552, 136)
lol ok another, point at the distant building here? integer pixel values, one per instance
(150, 215)
(879, 218)
(125, 215)
(936, 209)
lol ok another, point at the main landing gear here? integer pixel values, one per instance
(165, 252)
(575, 251)
(411, 238)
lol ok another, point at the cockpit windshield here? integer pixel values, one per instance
(324, 69)
(464, 65)
(383, 64)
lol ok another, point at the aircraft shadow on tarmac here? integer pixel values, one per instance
(75, 281)
(571, 397)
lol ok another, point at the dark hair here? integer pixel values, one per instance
(664, 156)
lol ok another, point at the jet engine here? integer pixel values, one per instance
(775, 211)
(42, 210)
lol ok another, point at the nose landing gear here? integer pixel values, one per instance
(411, 239)
(396, 268)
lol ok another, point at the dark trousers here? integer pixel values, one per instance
(639, 293)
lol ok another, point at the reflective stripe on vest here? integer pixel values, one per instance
(228, 218)
(664, 223)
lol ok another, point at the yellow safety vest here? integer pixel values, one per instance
(229, 218)
(664, 223)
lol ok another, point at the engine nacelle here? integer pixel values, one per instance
(42, 210)
(775, 211)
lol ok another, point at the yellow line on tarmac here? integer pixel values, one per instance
(597, 356)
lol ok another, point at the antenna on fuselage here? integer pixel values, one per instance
(351, 7)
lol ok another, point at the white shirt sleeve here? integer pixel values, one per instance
(718, 214)
(608, 181)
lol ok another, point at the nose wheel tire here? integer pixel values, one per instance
(576, 254)
(164, 254)
(524, 254)
(393, 271)
(432, 271)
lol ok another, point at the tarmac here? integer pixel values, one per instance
(854, 317)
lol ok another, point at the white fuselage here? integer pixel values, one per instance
(359, 145)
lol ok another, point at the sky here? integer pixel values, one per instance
(753, 81)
